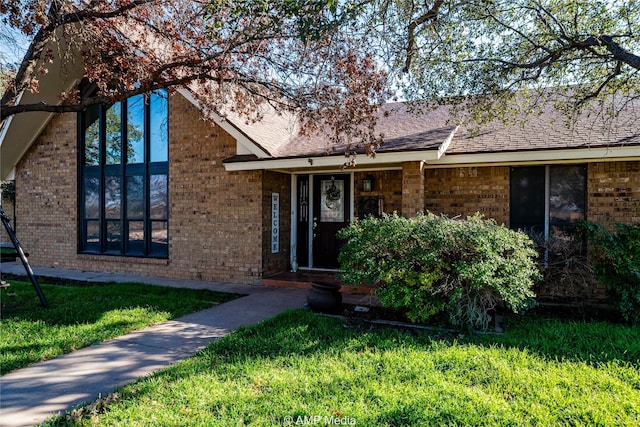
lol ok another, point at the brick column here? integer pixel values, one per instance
(412, 188)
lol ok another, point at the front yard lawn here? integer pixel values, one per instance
(304, 369)
(80, 316)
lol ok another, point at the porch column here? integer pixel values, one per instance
(412, 188)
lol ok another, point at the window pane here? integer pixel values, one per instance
(158, 196)
(113, 236)
(527, 199)
(92, 232)
(92, 135)
(113, 135)
(159, 126)
(136, 237)
(112, 197)
(135, 197)
(135, 129)
(159, 238)
(331, 200)
(92, 198)
(566, 194)
(125, 207)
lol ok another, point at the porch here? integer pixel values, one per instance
(302, 280)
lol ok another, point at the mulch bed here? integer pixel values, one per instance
(556, 311)
(353, 311)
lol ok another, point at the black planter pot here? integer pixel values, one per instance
(324, 297)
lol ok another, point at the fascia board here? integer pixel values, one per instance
(549, 156)
(442, 150)
(332, 161)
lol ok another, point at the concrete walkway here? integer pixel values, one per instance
(30, 395)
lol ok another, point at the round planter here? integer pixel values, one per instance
(324, 297)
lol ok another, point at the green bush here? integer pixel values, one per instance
(432, 264)
(616, 260)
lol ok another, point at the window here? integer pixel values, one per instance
(547, 198)
(124, 177)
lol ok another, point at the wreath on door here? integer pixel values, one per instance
(332, 195)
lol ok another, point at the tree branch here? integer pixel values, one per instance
(429, 15)
(617, 52)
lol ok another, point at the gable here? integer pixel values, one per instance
(19, 132)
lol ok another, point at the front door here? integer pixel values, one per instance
(331, 212)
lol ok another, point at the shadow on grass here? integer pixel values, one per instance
(79, 316)
(89, 302)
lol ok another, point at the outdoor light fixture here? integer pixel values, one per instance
(367, 184)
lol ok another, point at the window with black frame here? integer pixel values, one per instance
(125, 176)
(548, 198)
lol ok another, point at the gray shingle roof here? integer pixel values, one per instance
(549, 131)
(402, 130)
(405, 129)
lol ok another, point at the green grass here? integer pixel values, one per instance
(79, 316)
(541, 372)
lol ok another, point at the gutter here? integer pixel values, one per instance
(567, 155)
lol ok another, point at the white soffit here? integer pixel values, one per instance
(21, 130)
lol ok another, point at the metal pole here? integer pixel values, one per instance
(23, 258)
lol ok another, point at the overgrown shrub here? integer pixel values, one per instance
(432, 264)
(616, 259)
(564, 265)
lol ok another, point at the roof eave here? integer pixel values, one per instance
(20, 131)
(337, 161)
(567, 155)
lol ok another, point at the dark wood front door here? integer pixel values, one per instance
(331, 212)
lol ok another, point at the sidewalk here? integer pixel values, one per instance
(30, 395)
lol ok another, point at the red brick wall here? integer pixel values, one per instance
(413, 194)
(386, 184)
(613, 192)
(215, 219)
(467, 190)
(46, 195)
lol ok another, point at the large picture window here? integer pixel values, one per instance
(124, 177)
(547, 198)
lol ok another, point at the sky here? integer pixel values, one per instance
(12, 52)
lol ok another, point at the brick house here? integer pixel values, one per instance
(147, 186)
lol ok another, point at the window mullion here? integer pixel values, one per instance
(547, 203)
(123, 177)
(102, 156)
(146, 184)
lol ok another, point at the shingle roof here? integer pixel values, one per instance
(273, 131)
(409, 129)
(549, 131)
(402, 130)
